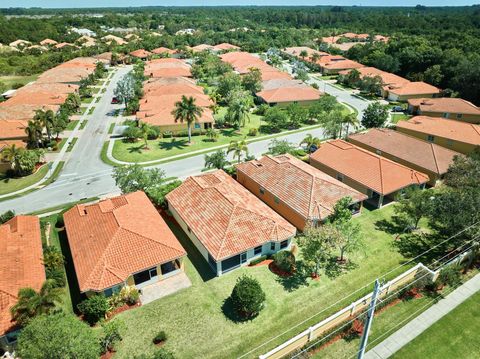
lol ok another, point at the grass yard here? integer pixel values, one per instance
(9, 185)
(71, 125)
(456, 335)
(83, 124)
(396, 117)
(71, 144)
(87, 100)
(111, 128)
(166, 147)
(11, 80)
(197, 327)
(82, 110)
(91, 110)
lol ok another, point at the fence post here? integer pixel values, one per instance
(352, 310)
(310, 334)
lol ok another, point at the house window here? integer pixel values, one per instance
(378, 152)
(197, 126)
(189, 230)
(283, 244)
(273, 246)
(11, 337)
(446, 115)
(459, 116)
(257, 250)
(430, 138)
(243, 257)
(449, 143)
(340, 177)
(276, 199)
(262, 190)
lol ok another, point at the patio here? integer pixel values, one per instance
(164, 287)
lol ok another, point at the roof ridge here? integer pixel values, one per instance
(150, 239)
(9, 294)
(432, 146)
(381, 173)
(224, 237)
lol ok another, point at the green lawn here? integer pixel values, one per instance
(87, 100)
(197, 327)
(166, 147)
(71, 125)
(82, 110)
(396, 117)
(71, 144)
(111, 128)
(9, 185)
(10, 80)
(83, 124)
(456, 335)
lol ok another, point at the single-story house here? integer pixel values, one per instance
(163, 50)
(302, 194)
(446, 107)
(110, 39)
(121, 241)
(48, 42)
(412, 152)
(21, 267)
(225, 46)
(141, 54)
(289, 92)
(202, 47)
(228, 224)
(409, 90)
(167, 67)
(332, 66)
(378, 177)
(458, 136)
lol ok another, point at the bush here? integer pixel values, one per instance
(253, 131)
(247, 297)
(160, 337)
(57, 275)
(60, 222)
(94, 308)
(154, 133)
(130, 295)
(6, 216)
(262, 109)
(449, 276)
(132, 133)
(258, 260)
(163, 354)
(167, 134)
(285, 261)
(111, 336)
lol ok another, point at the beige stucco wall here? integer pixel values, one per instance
(453, 116)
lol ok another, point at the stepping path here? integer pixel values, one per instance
(416, 327)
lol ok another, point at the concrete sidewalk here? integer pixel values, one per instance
(416, 327)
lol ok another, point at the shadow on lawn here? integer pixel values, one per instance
(297, 280)
(411, 245)
(178, 144)
(136, 149)
(396, 225)
(229, 312)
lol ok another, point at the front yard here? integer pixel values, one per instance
(9, 185)
(194, 318)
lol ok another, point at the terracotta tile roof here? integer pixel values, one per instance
(413, 88)
(162, 81)
(225, 46)
(225, 217)
(167, 67)
(12, 129)
(117, 237)
(441, 127)
(242, 62)
(202, 47)
(426, 155)
(21, 265)
(288, 93)
(54, 88)
(161, 50)
(36, 98)
(140, 53)
(173, 89)
(445, 105)
(296, 50)
(341, 65)
(64, 44)
(163, 116)
(7, 143)
(110, 38)
(307, 190)
(48, 42)
(387, 77)
(86, 41)
(160, 101)
(370, 170)
(22, 112)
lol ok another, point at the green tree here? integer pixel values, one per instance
(125, 89)
(375, 115)
(303, 54)
(187, 111)
(217, 159)
(72, 103)
(276, 118)
(238, 148)
(414, 205)
(32, 303)
(350, 238)
(280, 147)
(34, 133)
(341, 211)
(145, 131)
(371, 85)
(57, 336)
(228, 83)
(111, 335)
(248, 297)
(212, 135)
(298, 114)
(6, 216)
(350, 120)
(309, 141)
(239, 105)
(46, 120)
(252, 81)
(136, 178)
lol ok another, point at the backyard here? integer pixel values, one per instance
(194, 318)
(9, 81)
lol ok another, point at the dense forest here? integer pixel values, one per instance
(437, 45)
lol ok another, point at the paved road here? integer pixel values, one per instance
(85, 175)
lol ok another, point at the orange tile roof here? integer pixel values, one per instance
(202, 47)
(12, 129)
(414, 88)
(173, 89)
(7, 143)
(289, 94)
(296, 50)
(441, 127)
(225, 217)
(64, 44)
(160, 101)
(36, 98)
(22, 112)
(307, 190)
(370, 170)
(225, 46)
(445, 105)
(425, 155)
(54, 88)
(140, 53)
(164, 117)
(159, 81)
(161, 50)
(167, 67)
(48, 42)
(117, 237)
(387, 77)
(21, 265)
(341, 65)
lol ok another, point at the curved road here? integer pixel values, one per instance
(85, 175)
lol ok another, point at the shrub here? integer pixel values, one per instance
(261, 109)
(285, 261)
(167, 134)
(163, 354)
(253, 131)
(132, 133)
(57, 275)
(60, 222)
(94, 308)
(111, 336)
(247, 297)
(258, 260)
(160, 337)
(6, 216)
(449, 276)
(154, 133)
(130, 295)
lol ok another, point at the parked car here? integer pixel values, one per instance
(397, 109)
(115, 101)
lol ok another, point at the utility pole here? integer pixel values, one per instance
(368, 324)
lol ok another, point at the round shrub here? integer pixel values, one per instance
(253, 131)
(285, 261)
(130, 295)
(94, 308)
(449, 276)
(247, 297)
(160, 337)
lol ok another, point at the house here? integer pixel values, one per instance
(445, 107)
(299, 192)
(422, 156)
(225, 46)
(163, 50)
(296, 51)
(167, 67)
(378, 177)
(19, 44)
(112, 39)
(228, 224)
(21, 267)
(121, 241)
(202, 47)
(86, 41)
(288, 94)
(48, 42)
(132, 37)
(332, 66)
(458, 136)
(62, 45)
(141, 54)
(409, 90)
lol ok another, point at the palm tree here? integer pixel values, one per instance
(34, 133)
(310, 141)
(351, 120)
(145, 130)
(238, 147)
(32, 303)
(13, 154)
(187, 111)
(238, 112)
(303, 54)
(315, 57)
(46, 119)
(212, 134)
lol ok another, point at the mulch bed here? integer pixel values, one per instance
(263, 263)
(107, 355)
(121, 309)
(274, 269)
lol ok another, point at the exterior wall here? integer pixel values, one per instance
(405, 98)
(432, 175)
(181, 127)
(285, 104)
(281, 208)
(453, 116)
(461, 147)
